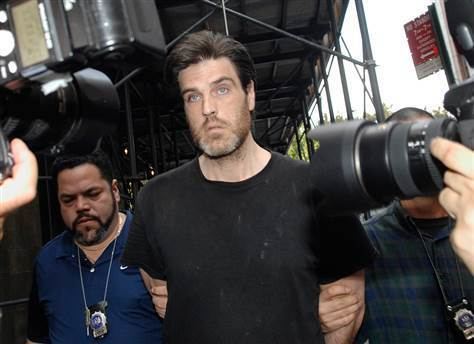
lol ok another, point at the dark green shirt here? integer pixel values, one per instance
(403, 298)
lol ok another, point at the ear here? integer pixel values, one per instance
(251, 95)
(115, 190)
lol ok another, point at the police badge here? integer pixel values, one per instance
(98, 319)
(463, 318)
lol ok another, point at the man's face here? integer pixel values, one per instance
(88, 203)
(217, 107)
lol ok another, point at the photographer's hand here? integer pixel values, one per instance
(20, 188)
(458, 195)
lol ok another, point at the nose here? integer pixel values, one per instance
(208, 106)
(82, 204)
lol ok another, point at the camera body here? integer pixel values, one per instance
(43, 37)
(48, 95)
(72, 118)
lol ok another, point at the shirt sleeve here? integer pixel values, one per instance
(139, 249)
(344, 247)
(38, 329)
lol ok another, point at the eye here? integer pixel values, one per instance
(93, 194)
(67, 200)
(222, 90)
(192, 98)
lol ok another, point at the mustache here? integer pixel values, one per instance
(81, 217)
(214, 120)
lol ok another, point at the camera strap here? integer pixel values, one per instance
(460, 312)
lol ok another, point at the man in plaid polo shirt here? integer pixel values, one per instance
(416, 276)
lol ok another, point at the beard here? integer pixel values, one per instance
(220, 145)
(101, 232)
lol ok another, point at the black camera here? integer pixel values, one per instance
(72, 118)
(48, 96)
(41, 37)
(361, 166)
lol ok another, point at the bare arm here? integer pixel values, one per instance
(158, 292)
(341, 308)
(458, 195)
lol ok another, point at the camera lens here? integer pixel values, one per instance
(73, 118)
(360, 165)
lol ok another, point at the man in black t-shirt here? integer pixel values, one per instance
(234, 237)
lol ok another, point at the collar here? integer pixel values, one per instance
(66, 246)
(260, 175)
(408, 224)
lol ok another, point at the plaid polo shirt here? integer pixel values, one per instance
(403, 299)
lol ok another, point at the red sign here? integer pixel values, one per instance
(421, 39)
(422, 43)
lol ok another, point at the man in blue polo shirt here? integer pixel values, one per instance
(81, 293)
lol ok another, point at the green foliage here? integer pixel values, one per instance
(370, 117)
(387, 111)
(439, 112)
(293, 151)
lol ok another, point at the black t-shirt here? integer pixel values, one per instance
(243, 261)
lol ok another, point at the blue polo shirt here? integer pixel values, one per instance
(56, 307)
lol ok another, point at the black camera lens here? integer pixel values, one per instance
(360, 165)
(72, 118)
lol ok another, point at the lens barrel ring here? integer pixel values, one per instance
(446, 128)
